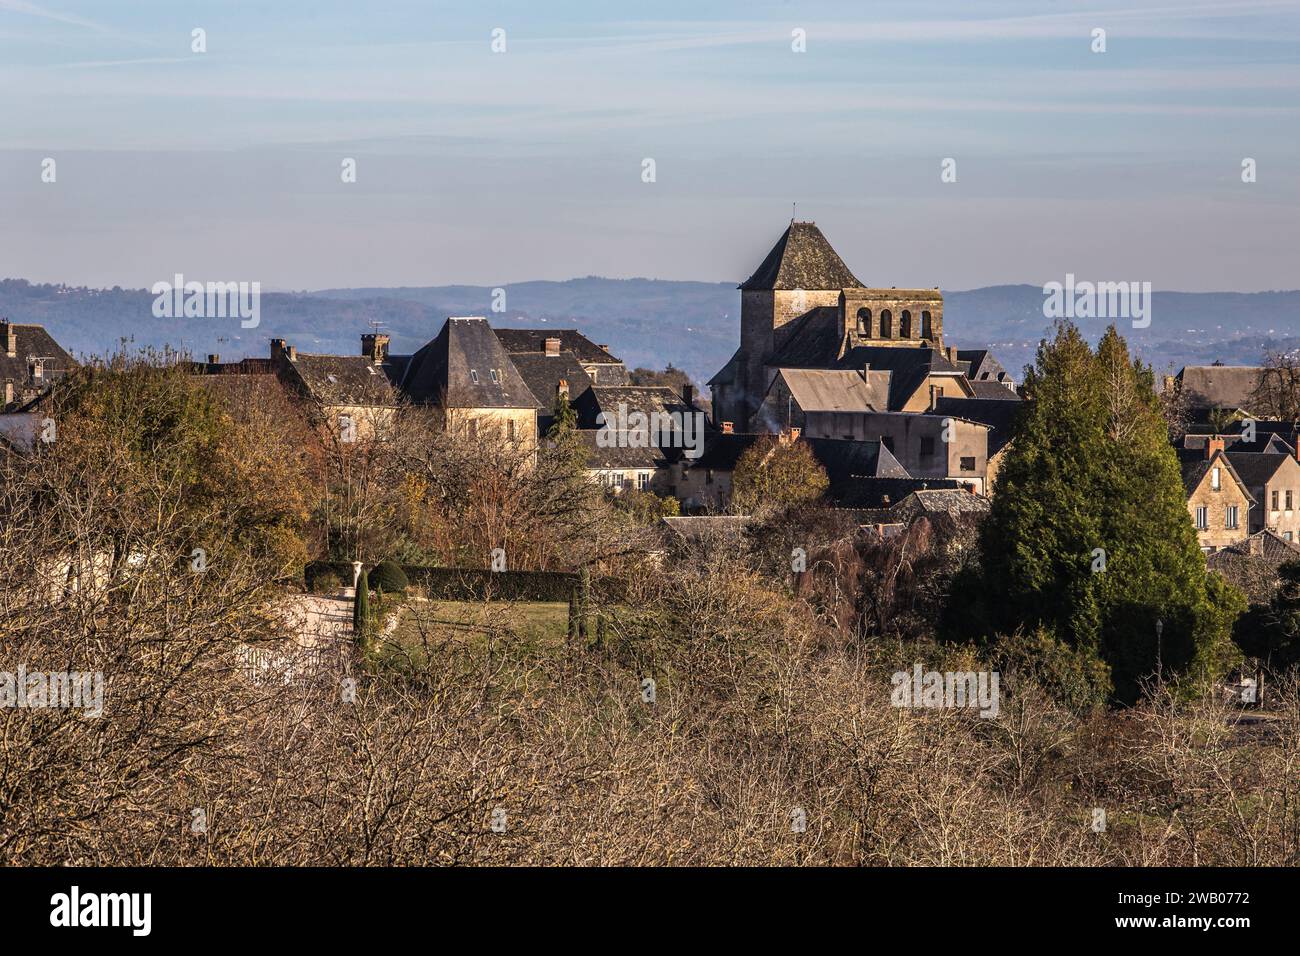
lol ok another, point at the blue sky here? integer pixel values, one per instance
(476, 167)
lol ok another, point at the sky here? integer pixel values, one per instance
(483, 167)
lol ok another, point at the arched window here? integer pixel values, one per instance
(926, 331)
(886, 324)
(905, 325)
(864, 321)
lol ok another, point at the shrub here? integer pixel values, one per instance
(389, 577)
(327, 582)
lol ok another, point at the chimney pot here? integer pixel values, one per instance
(728, 428)
(562, 388)
(374, 346)
(1213, 444)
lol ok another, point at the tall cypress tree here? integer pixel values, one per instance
(1089, 537)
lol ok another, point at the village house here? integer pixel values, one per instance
(1273, 480)
(30, 361)
(1217, 498)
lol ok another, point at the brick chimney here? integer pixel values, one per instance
(552, 346)
(562, 388)
(728, 428)
(1213, 445)
(9, 335)
(214, 358)
(374, 346)
(952, 354)
(688, 394)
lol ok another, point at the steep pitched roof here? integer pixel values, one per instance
(846, 460)
(980, 365)
(910, 367)
(1219, 386)
(1267, 545)
(814, 342)
(884, 493)
(646, 399)
(1255, 469)
(543, 373)
(344, 379)
(571, 340)
(620, 456)
(465, 366)
(994, 391)
(802, 259)
(33, 347)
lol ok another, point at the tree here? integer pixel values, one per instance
(1271, 631)
(775, 473)
(1089, 537)
(361, 611)
(1277, 395)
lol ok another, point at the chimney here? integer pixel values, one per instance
(552, 346)
(952, 354)
(603, 348)
(866, 369)
(9, 392)
(795, 433)
(1213, 445)
(214, 358)
(277, 348)
(1256, 545)
(728, 428)
(374, 346)
(688, 394)
(562, 388)
(884, 500)
(9, 335)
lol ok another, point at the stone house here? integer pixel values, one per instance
(1217, 499)
(1273, 480)
(30, 361)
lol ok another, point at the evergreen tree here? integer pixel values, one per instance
(1271, 631)
(361, 610)
(1089, 536)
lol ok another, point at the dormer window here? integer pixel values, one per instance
(495, 380)
(473, 376)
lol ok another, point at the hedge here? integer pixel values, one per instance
(468, 584)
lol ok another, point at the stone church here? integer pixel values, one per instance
(809, 328)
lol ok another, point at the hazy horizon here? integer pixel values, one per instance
(475, 166)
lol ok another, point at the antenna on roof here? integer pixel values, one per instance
(794, 210)
(375, 325)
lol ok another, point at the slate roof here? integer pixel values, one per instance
(883, 495)
(1255, 469)
(571, 340)
(456, 370)
(993, 391)
(802, 259)
(814, 342)
(646, 399)
(941, 501)
(999, 415)
(1219, 386)
(846, 460)
(32, 342)
(722, 451)
(621, 457)
(542, 374)
(980, 365)
(909, 367)
(1264, 443)
(344, 379)
(836, 390)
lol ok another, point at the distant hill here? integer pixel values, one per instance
(647, 322)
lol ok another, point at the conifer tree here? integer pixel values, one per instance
(1089, 535)
(361, 610)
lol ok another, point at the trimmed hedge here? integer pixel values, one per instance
(389, 577)
(465, 584)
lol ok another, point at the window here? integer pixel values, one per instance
(642, 480)
(864, 321)
(1214, 478)
(968, 463)
(1288, 499)
(473, 376)
(926, 331)
(495, 380)
(1286, 535)
(1230, 517)
(927, 446)
(1202, 518)
(1275, 499)
(886, 324)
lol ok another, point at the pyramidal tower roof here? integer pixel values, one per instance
(802, 259)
